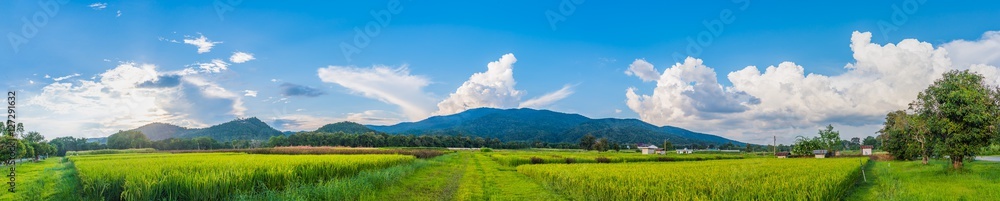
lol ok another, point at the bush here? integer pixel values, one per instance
(603, 160)
(537, 160)
(991, 150)
(664, 159)
(485, 149)
(570, 160)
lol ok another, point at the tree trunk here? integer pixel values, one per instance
(956, 163)
(924, 149)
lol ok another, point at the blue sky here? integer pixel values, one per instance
(576, 63)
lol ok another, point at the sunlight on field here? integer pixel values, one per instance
(213, 176)
(747, 179)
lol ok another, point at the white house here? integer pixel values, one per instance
(684, 151)
(866, 150)
(651, 149)
(820, 153)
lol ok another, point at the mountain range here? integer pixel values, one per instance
(504, 124)
(547, 126)
(239, 129)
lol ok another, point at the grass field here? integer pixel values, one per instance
(517, 157)
(748, 179)
(474, 175)
(49, 179)
(213, 176)
(911, 180)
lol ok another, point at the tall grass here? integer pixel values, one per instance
(213, 176)
(748, 179)
(419, 153)
(110, 151)
(516, 158)
(366, 183)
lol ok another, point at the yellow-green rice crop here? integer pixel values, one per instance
(213, 176)
(515, 158)
(748, 179)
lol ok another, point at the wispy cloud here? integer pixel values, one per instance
(250, 93)
(390, 85)
(204, 45)
(65, 77)
(98, 6)
(548, 99)
(289, 89)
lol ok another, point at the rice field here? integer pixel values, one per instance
(213, 176)
(747, 179)
(475, 175)
(516, 158)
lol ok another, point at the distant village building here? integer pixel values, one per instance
(651, 149)
(781, 154)
(866, 150)
(819, 153)
(684, 151)
(661, 151)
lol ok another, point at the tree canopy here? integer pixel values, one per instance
(956, 116)
(128, 140)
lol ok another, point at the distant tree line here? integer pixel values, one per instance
(371, 139)
(29, 144)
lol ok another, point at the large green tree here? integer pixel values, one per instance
(128, 140)
(961, 112)
(898, 142)
(829, 138)
(805, 146)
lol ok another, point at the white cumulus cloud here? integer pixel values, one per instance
(493, 88)
(966, 53)
(204, 45)
(241, 57)
(644, 70)
(128, 96)
(758, 104)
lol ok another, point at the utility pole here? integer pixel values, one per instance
(775, 147)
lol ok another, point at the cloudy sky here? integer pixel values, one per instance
(741, 69)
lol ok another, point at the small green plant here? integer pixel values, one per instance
(485, 149)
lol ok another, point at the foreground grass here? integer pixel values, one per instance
(49, 179)
(746, 179)
(466, 176)
(911, 180)
(486, 179)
